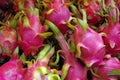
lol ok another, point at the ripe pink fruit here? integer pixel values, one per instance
(112, 31)
(112, 38)
(30, 30)
(110, 63)
(8, 40)
(40, 69)
(59, 15)
(76, 70)
(29, 73)
(11, 70)
(91, 45)
(72, 69)
(93, 7)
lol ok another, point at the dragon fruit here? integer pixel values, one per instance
(112, 39)
(91, 8)
(109, 64)
(90, 53)
(72, 69)
(89, 43)
(59, 14)
(30, 30)
(76, 70)
(112, 30)
(40, 70)
(8, 40)
(12, 70)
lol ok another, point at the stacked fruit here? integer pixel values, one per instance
(59, 40)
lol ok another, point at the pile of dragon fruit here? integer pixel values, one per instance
(59, 40)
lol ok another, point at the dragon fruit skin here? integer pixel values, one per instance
(59, 15)
(40, 70)
(76, 70)
(91, 45)
(2, 76)
(30, 35)
(29, 72)
(11, 70)
(93, 7)
(8, 40)
(22, 3)
(112, 29)
(110, 64)
(31, 40)
(72, 69)
(112, 38)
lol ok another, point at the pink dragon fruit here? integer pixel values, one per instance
(112, 31)
(12, 70)
(109, 64)
(93, 7)
(2, 76)
(59, 15)
(40, 70)
(76, 70)
(32, 69)
(112, 38)
(91, 45)
(8, 40)
(88, 42)
(30, 30)
(72, 69)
